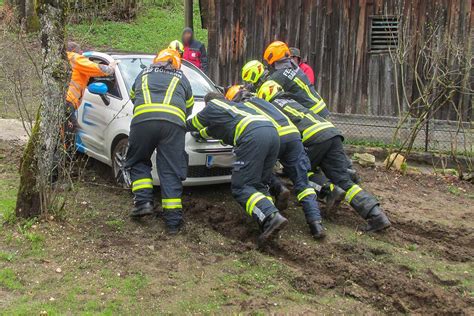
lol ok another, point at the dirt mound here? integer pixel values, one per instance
(349, 268)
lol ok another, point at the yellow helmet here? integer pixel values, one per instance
(269, 90)
(232, 92)
(177, 46)
(252, 71)
(168, 56)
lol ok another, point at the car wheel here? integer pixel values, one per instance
(119, 153)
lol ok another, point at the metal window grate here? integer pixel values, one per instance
(383, 33)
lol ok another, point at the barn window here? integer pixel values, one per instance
(383, 35)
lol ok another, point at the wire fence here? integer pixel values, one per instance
(434, 135)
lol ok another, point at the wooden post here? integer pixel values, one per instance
(188, 13)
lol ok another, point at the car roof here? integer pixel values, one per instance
(122, 55)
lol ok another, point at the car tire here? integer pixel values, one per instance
(119, 154)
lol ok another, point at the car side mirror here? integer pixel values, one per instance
(100, 89)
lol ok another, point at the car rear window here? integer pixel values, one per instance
(131, 68)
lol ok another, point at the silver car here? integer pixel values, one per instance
(105, 114)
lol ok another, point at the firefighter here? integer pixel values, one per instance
(324, 147)
(256, 144)
(288, 75)
(295, 54)
(163, 99)
(254, 74)
(291, 155)
(177, 46)
(82, 70)
(194, 50)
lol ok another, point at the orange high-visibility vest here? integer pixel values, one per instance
(82, 70)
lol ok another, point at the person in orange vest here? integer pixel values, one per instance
(82, 70)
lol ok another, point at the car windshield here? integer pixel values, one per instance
(131, 67)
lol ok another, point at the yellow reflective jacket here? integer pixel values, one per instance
(82, 70)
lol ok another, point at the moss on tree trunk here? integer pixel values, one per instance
(28, 198)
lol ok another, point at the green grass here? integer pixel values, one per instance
(8, 280)
(116, 224)
(8, 191)
(150, 32)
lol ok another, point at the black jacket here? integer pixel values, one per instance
(313, 128)
(286, 129)
(295, 82)
(226, 120)
(162, 93)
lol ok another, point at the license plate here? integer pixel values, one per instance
(222, 161)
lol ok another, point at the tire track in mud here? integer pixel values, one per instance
(348, 269)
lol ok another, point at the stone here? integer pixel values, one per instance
(399, 162)
(365, 159)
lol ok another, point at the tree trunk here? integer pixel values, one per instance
(43, 154)
(27, 13)
(28, 198)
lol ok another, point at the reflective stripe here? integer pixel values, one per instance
(311, 173)
(318, 107)
(287, 130)
(170, 90)
(252, 201)
(262, 112)
(203, 133)
(352, 192)
(305, 87)
(305, 193)
(144, 183)
(196, 123)
(145, 89)
(282, 130)
(171, 203)
(242, 125)
(230, 108)
(159, 107)
(294, 111)
(132, 94)
(310, 131)
(190, 102)
(319, 101)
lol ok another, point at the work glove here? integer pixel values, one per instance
(198, 137)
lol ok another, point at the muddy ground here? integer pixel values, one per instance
(90, 258)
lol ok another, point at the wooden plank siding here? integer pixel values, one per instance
(333, 37)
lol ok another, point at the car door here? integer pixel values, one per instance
(95, 116)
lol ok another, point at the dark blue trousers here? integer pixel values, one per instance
(171, 160)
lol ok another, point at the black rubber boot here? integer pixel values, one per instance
(271, 226)
(141, 210)
(317, 230)
(174, 229)
(282, 198)
(377, 220)
(334, 196)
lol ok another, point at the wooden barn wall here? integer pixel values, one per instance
(332, 36)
